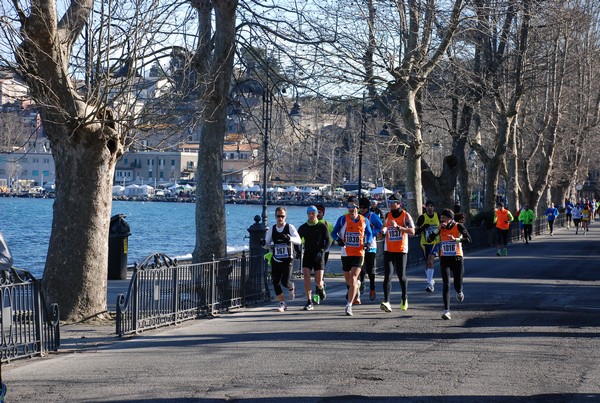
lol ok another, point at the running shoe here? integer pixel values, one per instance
(349, 310)
(498, 252)
(505, 252)
(372, 295)
(282, 307)
(292, 295)
(446, 315)
(321, 292)
(460, 297)
(309, 306)
(316, 299)
(430, 286)
(404, 304)
(385, 306)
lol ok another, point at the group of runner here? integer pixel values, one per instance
(356, 233)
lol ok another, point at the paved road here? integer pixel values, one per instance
(528, 330)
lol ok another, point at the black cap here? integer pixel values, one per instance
(393, 197)
(429, 203)
(363, 202)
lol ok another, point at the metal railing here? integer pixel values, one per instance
(27, 328)
(163, 292)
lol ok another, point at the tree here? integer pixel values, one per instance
(80, 68)
(86, 142)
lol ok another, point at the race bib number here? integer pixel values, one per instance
(352, 239)
(449, 248)
(281, 251)
(394, 234)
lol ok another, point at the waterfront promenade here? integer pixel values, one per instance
(528, 330)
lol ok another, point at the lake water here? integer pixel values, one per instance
(26, 224)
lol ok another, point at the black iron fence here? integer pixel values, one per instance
(27, 327)
(163, 292)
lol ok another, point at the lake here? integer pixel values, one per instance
(26, 224)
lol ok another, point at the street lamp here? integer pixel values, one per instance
(251, 89)
(363, 131)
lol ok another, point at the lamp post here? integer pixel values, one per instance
(251, 89)
(361, 141)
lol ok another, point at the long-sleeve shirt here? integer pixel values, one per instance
(527, 216)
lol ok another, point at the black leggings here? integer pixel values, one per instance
(454, 265)
(503, 237)
(527, 230)
(551, 225)
(368, 269)
(281, 274)
(397, 261)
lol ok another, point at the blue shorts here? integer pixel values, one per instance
(430, 249)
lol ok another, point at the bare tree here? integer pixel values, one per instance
(80, 68)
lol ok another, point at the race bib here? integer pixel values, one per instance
(352, 239)
(449, 248)
(394, 234)
(281, 251)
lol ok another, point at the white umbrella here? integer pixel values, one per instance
(293, 189)
(227, 187)
(279, 190)
(381, 190)
(239, 188)
(255, 188)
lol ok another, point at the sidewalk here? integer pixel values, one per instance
(527, 331)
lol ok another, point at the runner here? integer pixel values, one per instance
(279, 239)
(353, 233)
(428, 223)
(398, 226)
(502, 219)
(452, 235)
(370, 253)
(315, 239)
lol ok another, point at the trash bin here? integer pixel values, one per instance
(118, 234)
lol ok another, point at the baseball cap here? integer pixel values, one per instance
(311, 208)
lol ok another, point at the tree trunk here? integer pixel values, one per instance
(213, 61)
(86, 143)
(75, 276)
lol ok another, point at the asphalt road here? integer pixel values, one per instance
(528, 330)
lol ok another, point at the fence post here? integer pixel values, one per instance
(257, 279)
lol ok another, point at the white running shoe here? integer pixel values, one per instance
(446, 315)
(385, 306)
(282, 307)
(460, 297)
(349, 310)
(430, 286)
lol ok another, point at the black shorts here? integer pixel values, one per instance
(311, 262)
(348, 262)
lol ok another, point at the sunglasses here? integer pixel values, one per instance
(351, 207)
(280, 216)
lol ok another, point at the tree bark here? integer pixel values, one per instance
(85, 143)
(213, 61)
